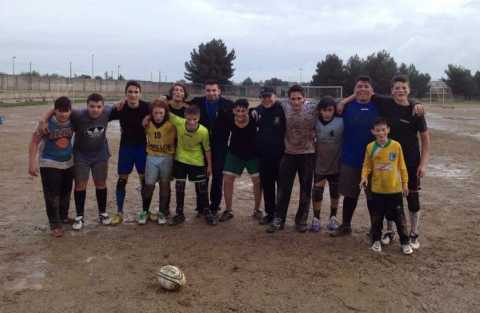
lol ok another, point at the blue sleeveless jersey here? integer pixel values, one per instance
(57, 145)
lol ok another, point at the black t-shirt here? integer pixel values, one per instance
(177, 112)
(242, 140)
(133, 132)
(404, 127)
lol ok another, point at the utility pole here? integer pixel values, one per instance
(118, 72)
(159, 76)
(30, 68)
(151, 76)
(300, 69)
(70, 69)
(93, 66)
(13, 65)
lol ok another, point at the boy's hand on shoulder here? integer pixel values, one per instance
(419, 109)
(120, 104)
(145, 121)
(42, 128)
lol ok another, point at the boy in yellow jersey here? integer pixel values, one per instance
(193, 160)
(161, 136)
(385, 163)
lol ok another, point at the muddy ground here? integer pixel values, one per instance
(236, 266)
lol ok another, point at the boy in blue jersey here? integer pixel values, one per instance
(132, 151)
(358, 119)
(56, 164)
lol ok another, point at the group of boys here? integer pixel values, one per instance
(346, 145)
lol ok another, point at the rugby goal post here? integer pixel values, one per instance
(439, 93)
(315, 92)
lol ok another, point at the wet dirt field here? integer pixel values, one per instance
(237, 266)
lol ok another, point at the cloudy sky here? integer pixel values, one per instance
(282, 39)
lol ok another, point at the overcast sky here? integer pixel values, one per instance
(271, 38)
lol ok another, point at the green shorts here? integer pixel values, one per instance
(235, 166)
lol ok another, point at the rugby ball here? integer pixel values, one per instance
(171, 277)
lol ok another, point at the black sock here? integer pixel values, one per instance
(147, 193)
(316, 213)
(80, 196)
(349, 205)
(180, 195)
(333, 211)
(101, 200)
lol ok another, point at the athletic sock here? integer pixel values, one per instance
(414, 219)
(120, 194)
(180, 195)
(201, 189)
(101, 200)
(389, 225)
(80, 201)
(333, 211)
(349, 205)
(316, 213)
(147, 194)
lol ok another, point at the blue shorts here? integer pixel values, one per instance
(129, 156)
(158, 168)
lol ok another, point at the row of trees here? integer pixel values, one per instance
(462, 82)
(107, 76)
(380, 66)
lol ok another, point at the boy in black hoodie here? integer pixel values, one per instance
(270, 146)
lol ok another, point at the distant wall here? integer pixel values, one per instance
(24, 87)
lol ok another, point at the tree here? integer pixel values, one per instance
(354, 68)
(418, 81)
(120, 77)
(381, 67)
(248, 82)
(329, 71)
(212, 61)
(85, 76)
(476, 79)
(460, 80)
(273, 82)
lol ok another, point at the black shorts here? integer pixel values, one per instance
(332, 178)
(182, 171)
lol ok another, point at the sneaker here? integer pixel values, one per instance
(267, 219)
(226, 215)
(341, 231)
(407, 249)
(414, 243)
(388, 237)
(117, 218)
(161, 219)
(78, 224)
(153, 216)
(301, 228)
(377, 246)
(211, 218)
(57, 232)
(315, 227)
(274, 226)
(257, 214)
(142, 218)
(177, 220)
(104, 219)
(332, 224)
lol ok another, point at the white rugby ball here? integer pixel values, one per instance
(171, 277)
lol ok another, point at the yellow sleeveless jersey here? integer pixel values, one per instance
(387, 166)
(161, 140)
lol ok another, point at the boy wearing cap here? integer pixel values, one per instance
(269, 146)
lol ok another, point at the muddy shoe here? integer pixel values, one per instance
(266, 220)
(414, 243)
(78, 224)
(142, 218)
(177, 220)
(388, 237)
(57, 232)
(211, 218)
(332, 224)
(301, 228)
(377, 246)
(407, 249)
(161, 219)
(315, 227)
(341, 231)
(257, 214)
(226, 215)
(274, 226)
(117, 218)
